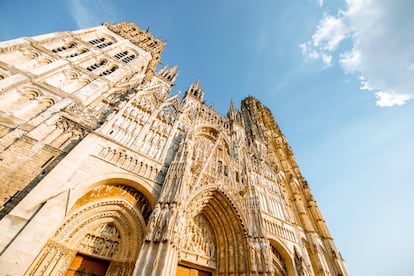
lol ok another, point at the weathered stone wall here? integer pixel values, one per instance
(20, 163)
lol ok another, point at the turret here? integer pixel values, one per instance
(195, 91)
(169, 74)
(251, 111)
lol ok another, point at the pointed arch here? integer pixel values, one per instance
(107, 224)
(228, 246)
(147, 101)
(138, 183)
(280, 254)
(168, 113)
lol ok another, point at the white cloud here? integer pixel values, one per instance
(329, 33)
(89, 13)
(327, 59)
(391, 99)
(380, 32)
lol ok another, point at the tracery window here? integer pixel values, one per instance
(100, 42)
(168, 114)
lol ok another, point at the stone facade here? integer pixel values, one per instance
(104, 171)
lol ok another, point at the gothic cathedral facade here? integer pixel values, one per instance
(105, 172)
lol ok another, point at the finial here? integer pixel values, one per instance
(197, 84)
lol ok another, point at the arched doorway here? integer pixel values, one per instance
(213, 241)
(101, 235)
(279, 264)
(282, 261)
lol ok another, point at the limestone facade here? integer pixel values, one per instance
(104, 171)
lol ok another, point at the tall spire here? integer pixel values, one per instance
(233, 113)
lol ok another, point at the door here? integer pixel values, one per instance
(87, 266)
(187, 271)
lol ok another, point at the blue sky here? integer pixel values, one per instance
(337, 75)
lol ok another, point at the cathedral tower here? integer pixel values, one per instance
(106, 171)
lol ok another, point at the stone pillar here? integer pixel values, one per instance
(157, 258)
(159, 254)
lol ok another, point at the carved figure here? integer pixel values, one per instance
(161, 223)
(153, 221)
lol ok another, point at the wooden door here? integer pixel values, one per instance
(188, 271)
(87, 266)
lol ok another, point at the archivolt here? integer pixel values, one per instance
(117, 207)
(228, 230)
(284, 255)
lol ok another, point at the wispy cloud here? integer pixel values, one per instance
(380, 32)
(89, 13)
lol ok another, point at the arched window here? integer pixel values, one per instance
(78, 53)
(109, 71)
(68, 46)
(34, 107)
(121, 55)
(100, 42)
(28, 54)
(125, 56)
(128, 58)
(96, 41)
(97, 65)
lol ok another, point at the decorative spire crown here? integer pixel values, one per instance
(195, 90)
(169, 74)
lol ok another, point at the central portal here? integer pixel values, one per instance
(188, 271)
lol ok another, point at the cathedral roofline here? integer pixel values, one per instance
(141, 38)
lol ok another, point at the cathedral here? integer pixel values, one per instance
(105, 171)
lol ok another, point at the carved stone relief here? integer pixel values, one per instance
(199, 238)
(102, 241)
